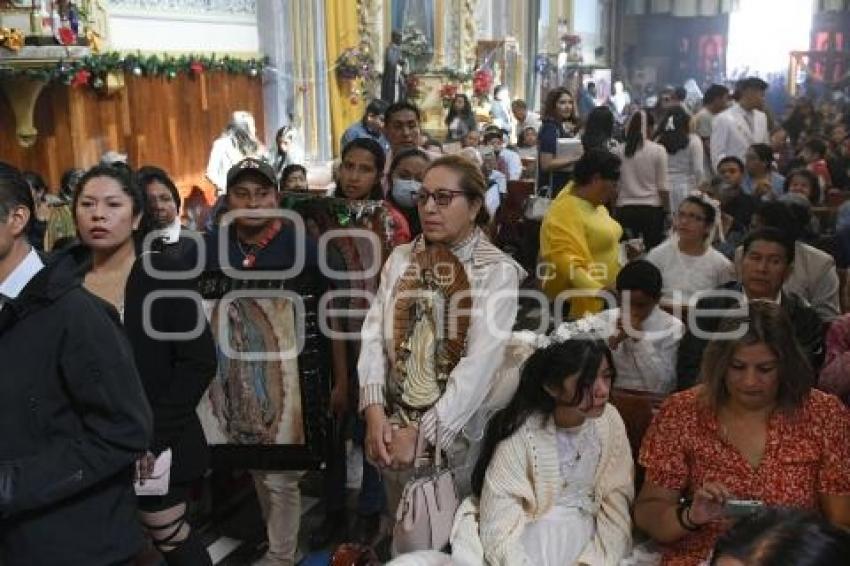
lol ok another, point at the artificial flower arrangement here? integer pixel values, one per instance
(482, 83)
(355, 63)
(448, 93)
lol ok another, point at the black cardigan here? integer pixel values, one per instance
(175, 373)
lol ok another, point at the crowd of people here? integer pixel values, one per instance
(691, 270)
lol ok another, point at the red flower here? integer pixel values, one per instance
(81, 78)
(448, 91)
(67, 36)
(482, 82)
(197, 67)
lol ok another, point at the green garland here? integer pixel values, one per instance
(92, 69)
(452, 74)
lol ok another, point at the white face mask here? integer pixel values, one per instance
(404, 192)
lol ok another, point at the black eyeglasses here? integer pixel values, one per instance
(442, 198)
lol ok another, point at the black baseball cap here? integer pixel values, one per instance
(251, 165)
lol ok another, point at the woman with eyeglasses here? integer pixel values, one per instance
(687, 259)
(437, 330)
(753, 434)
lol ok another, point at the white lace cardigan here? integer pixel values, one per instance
(522, 483)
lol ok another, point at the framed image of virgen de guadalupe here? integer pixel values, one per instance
(267, 406)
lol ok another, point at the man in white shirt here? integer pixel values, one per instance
(644, 339)
(741, 125)
(525, 118)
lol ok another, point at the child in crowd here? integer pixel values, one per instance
(737, 206)
(556, 460)
(644, 339)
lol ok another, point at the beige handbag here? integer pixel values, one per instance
(428, 504)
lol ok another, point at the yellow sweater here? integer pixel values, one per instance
(580, 243)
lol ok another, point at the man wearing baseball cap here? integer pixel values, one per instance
(253, 240)
(742, 124)
(257, 242)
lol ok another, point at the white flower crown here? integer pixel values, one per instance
(588, 328)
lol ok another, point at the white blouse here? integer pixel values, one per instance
(494, 281)
(685, 274)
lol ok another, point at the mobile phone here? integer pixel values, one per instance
(736, 508)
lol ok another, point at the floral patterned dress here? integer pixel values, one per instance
(806, 455)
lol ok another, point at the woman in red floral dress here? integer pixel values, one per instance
(753, 429)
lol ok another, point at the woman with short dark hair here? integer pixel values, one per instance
(804, 183)
(753, 429)
(687, 259)
(579, 241)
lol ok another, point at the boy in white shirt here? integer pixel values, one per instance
(643, 338)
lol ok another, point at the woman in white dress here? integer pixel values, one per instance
(555, 474)
(686, 259)
(685, 158)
